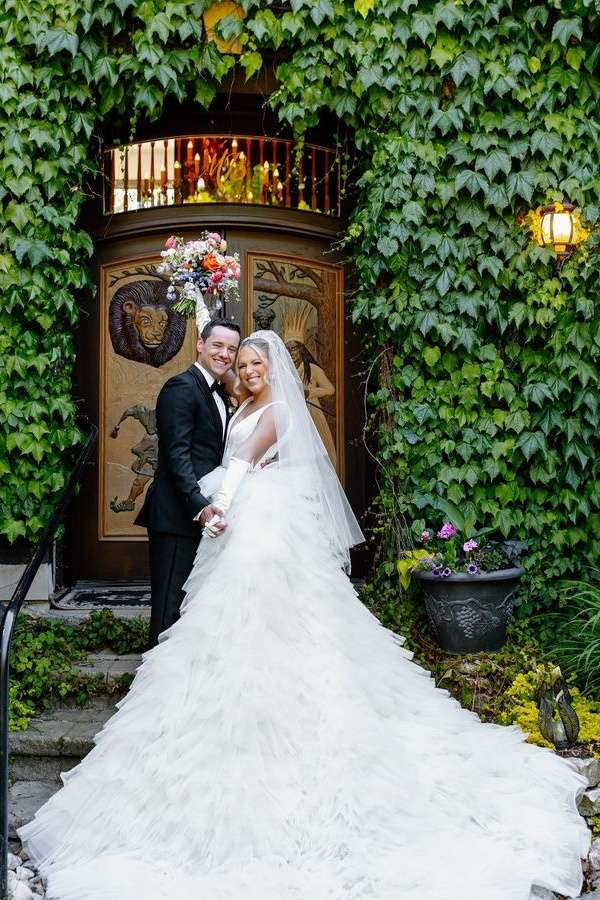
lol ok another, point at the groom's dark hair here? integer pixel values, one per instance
(224, 323)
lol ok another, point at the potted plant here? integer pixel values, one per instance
(468, 582)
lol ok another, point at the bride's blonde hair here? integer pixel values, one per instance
(262, 348)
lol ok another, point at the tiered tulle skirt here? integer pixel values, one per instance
(279, 744)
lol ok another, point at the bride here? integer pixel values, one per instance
(279, 744)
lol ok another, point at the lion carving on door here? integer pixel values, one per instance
(142, 324)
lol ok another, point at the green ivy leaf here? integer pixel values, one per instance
(466, 64)
(364, 7)
(565, 29)
(56, 40)
(35, 251)
(431, 355)
(546, 142)
(494, 161)
(252, 63)
(521, 184)
(531, 442)
(387, 246)
(575, 56)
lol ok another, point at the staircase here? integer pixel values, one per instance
(57, 740)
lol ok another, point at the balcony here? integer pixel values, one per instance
(219, 168)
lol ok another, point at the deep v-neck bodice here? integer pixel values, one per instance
(240, 429)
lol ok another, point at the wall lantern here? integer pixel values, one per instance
(559, 227)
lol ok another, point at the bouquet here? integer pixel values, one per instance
(201, 276)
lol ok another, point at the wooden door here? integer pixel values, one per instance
(130, 343)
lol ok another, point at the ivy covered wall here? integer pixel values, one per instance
(466, 114)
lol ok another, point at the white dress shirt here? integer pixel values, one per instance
(210, 380)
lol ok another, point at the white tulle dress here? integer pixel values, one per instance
(280, 744)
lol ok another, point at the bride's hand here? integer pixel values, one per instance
(213, 520)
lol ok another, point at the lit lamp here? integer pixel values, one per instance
(558, 226)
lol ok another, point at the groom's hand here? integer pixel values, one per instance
(211, 518)
(208, 513)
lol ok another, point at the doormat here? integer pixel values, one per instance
(91, 595)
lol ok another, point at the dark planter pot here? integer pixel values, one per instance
(470, 613)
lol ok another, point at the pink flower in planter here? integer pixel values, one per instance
(447, 531)
(425, 537)
(470, 545)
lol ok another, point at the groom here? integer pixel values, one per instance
(191, 420)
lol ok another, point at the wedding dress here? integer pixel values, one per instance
(280, 744)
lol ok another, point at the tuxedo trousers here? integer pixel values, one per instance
(171, 560)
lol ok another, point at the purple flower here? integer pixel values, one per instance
(447, 572)
(472, 569)
(470, 545)
(446, 531)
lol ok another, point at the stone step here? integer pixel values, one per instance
(56, 740)
(110, 665)
(24, 800)
(74, 616)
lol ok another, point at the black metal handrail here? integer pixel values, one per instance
(9, 618)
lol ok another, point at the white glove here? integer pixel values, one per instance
(208, 530)
(235, 474)
(202, 313)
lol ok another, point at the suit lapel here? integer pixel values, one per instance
(210, 400)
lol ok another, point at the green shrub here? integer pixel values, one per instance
(46, 654)
(576, 645)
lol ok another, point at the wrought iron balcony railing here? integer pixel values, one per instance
(220, 168)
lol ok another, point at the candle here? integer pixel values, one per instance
(190, 152)
(197, 164)
(177, 173)
(163, 178)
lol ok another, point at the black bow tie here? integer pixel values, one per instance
(219, 389)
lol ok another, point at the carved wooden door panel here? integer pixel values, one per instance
(132, 342)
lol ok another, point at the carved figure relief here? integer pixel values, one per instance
(302, 301)
(145, 455)
(142, 343)
(142, 325)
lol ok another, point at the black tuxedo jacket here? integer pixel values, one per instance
(190, 444)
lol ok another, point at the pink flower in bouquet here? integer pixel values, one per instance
(214, 236)
(447, 531)
(470, 545)
(217, 277)
(171, 242)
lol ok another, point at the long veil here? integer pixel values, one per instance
(301, 452)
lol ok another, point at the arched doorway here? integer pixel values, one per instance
(291, 281)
